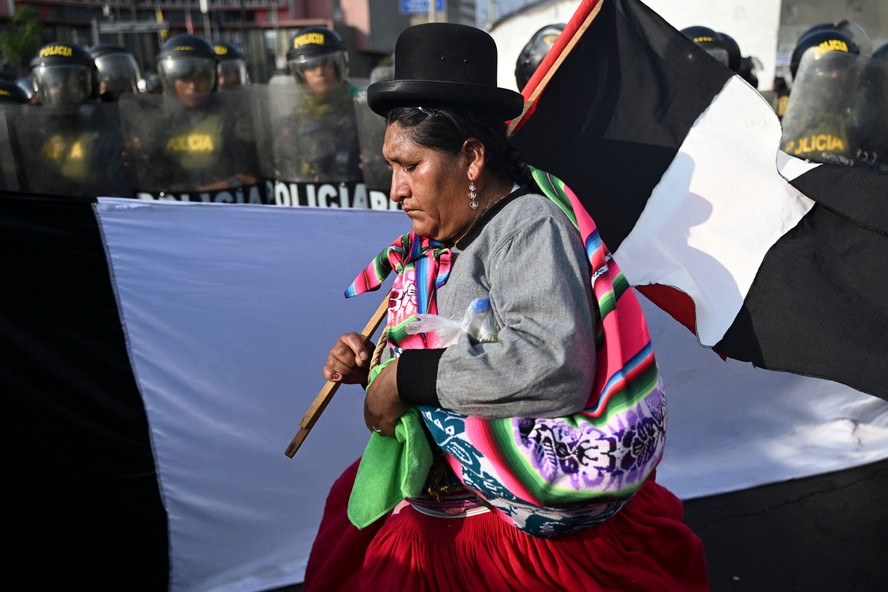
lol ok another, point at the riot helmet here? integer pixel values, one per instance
(534, 51)
(821, 41)
(118, 71)
(232, 68)
(711, 41)
(853, 30)
(151, 84)
(313, 51)
(12, 94)
(64, 75)
(187, 68)
(26, 83)
(735, 58)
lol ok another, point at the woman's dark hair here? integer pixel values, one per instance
(446, 128)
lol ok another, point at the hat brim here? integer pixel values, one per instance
(385, 95)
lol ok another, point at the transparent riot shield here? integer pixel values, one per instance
(203, 153)
(308, 139)
(371, 134)
(10, 167)
(275, 112)
(838, 110)
(309, 151)
(75, 151)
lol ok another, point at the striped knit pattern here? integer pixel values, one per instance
(417, 260)
(405, 250)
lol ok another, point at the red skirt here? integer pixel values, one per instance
(646, 547)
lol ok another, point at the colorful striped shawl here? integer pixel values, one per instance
(423, 265)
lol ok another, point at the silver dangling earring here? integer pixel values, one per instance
(473, 196)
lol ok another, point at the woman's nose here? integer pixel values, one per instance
(399, 189)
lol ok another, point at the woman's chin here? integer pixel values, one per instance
(417, 225)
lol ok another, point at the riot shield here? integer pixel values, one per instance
(75, 151)
(309, 151)
(371, 134)
(305, 139)
(205, 153)
(838, 110)
(10, 168)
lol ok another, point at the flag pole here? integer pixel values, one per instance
(326, 393)
(530, 101)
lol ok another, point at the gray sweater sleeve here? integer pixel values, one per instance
(530, 261)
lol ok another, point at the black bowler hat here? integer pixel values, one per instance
(445, 64)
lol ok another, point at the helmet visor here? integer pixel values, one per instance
(232, 74)
(63, 85)
(200, 71)
(302, 64)
(118, 73)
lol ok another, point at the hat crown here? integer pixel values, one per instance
(446, 52)
(444, 64)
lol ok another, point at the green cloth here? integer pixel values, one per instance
(390, 470)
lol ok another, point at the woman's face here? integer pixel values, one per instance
(431, 186)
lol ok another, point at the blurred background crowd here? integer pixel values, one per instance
(265, 102)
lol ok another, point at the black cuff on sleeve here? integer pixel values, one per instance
(418, 376)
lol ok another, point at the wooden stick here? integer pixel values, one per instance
(537, 91)
(326, 394)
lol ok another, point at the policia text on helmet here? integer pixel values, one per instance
(821, 41)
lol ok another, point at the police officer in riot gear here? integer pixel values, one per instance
(119, 72)
(191, 139)
(318, 60)
(12, 94)
(711, 41)
(326, 143)
(72, 145)
(187, 68)
(64, 75)
(833, 115)
(232, 67)
(823, 36)
(725, 49)
(534, 51)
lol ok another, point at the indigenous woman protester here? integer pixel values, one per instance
(516, 413)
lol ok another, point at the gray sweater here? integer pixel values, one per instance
(528, 258)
